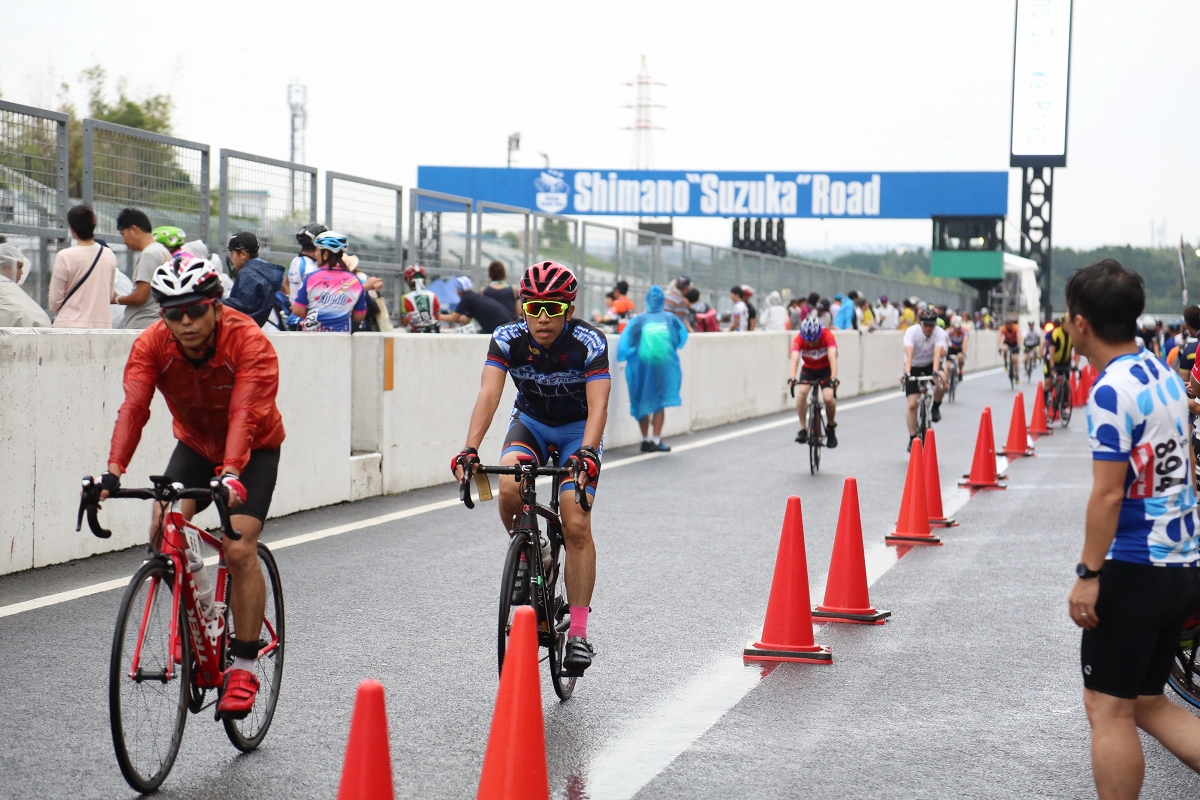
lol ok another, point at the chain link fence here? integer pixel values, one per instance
(270, 198)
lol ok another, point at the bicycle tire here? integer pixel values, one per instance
(1064, 404)
(246, 734)
(145, 771)
(922, 417)
(953, 386)
(564, 686)
(1013, 377)
(518, 543)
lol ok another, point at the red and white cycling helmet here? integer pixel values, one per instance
(181, 282)
(549, 280)
(414, 271)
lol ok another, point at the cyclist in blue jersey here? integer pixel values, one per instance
(958, 336)
(559, 365)
(332, 298)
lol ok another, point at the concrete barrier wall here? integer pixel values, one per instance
(365, 415)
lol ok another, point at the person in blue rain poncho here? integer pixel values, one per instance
(650, 345)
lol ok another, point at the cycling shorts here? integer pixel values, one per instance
(527, 435)
(1141, 609)
(912, 387)
(195, 471)
(1048, 366)
(816, 374)
(1012, 346)
(954, 351)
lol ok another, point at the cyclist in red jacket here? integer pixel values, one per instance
(218, 373)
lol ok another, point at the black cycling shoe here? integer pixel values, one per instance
(802, 437)
(830, 436)
(936, 416)
(578, 657)
(910, 441)
(520, 591)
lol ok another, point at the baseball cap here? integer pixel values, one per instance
(464, 283)
(242, 241)
(683, 279)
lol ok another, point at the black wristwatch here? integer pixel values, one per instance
(1081, 569)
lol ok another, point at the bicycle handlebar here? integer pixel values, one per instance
(824, 382)
(524, 471)
(89, 501)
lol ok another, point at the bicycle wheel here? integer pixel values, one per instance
(923, 417)
(1012, 372)
(564, 686)
(518, 544)
(148, 711)
(953, 386)
(246, 734)
(1184, 678)
(816, 433)
(1064, 404)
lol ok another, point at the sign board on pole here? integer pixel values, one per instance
(853, 195)
(1041, 83)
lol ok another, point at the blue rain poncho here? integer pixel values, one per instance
(650, 345)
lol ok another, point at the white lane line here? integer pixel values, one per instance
(108, 586)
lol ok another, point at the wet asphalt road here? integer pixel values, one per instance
(971, 690)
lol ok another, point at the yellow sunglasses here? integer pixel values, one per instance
(551, 308)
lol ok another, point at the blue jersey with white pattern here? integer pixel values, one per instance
(1137, 413)
(551, 384)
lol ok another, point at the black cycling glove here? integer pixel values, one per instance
(587, 461)
(468, 459)
(110, 482)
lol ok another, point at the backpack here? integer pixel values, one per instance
(706, 321)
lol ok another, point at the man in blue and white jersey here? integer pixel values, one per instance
(1138, 576)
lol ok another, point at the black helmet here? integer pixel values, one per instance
(927, 315)
(309, 232)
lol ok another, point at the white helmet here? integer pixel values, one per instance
(185, 280)
(1146, 322)
(956, 321)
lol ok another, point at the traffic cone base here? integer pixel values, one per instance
(893, 538)
(984, 474)
(876, 617)
(945, 522)
(819, 655)
(1037, 425)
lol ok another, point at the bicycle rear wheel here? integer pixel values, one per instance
(1064, 404)
(147, 710)
(953, 386)
(1185, 675)
(519, 543)
(564, 686)
(246, 734)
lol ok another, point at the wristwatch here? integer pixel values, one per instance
(1081, 569)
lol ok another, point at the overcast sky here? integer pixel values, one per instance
(794, 86)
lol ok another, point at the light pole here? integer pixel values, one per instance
(514, 143)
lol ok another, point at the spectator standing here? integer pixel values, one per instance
(81, 286)
(255, 281)
(332, 299)
(141, 310)
(889, 315)
(650, 346)
(908, 317)
(836, 306)
(502, 292)
(1137, 576)
(823, 314)
(774, 316)
(675, 300)
(302, 265)
(419, 308)
(846, 316)
(739, 319)
(17, 309)
(622, 307)
(751, 310)
(170, 237)
(704, 316)
(864, 317)
(471, 306)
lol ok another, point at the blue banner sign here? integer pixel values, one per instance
(883, 195)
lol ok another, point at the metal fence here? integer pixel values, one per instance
(165, 177)
(370, 214)
(33, 186)
(270, 198)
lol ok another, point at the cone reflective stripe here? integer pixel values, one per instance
(913, 525)
(983, 466)
(933, 484)
(846, 596)
(787, 633)
(514, 765)
(1037, 426)
(1018, 437)
(367, 771)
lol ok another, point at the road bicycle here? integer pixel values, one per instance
(1060, 403)
(1032, 359)
(1010, 366)
(1185, 675)
(924, 402)
(952, 383)
(167, 653)
(815, 424)
(544, 583)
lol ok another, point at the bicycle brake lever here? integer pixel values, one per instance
(581, 496)
(464, 493)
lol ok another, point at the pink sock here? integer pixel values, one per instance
(579, 615)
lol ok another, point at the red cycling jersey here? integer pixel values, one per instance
(222, 409)
(815, 355)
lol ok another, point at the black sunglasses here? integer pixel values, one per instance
(194, 311)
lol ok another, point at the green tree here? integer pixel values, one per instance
(909, 265)
(1158, 266)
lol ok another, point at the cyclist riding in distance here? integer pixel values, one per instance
(302, 265)
(957, 336)
(419, 308)
(1031, 341)
(1008, 337)
(559, 365)
(925, 347)
(1058, 355)
(219, 375)
(332, 298)
(816, 346)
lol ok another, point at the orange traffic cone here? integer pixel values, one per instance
(1037, 426)
(1078, 392)
(367, 771)
(933, 484)
(846, 595)
(1018, 437)
(913, 525)
(983, 467)
(514, 765)
(787, 633)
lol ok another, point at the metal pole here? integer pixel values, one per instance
(89, 156)
(328, 199)
(399, 238)
(205, 196)
(223, 201)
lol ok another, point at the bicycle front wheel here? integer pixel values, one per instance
(564, 686)
(816, 434)
(1064, 404)
(246, 734)
(518, 544)
(148, 707)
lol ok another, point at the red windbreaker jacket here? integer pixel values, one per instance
(222, 409)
